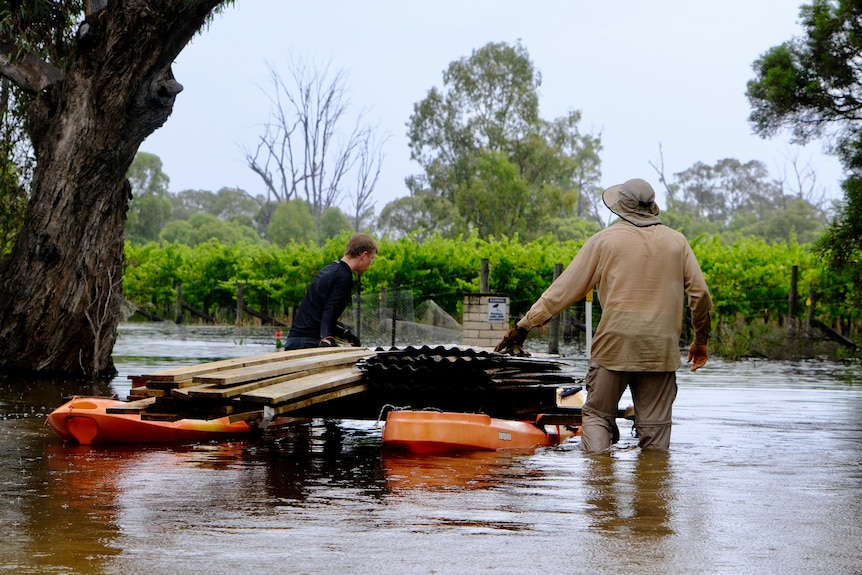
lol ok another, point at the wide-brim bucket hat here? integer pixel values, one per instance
(633, 201)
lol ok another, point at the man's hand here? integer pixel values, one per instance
(697, 356)
(513, 342)
(351, 338)
(328, 341)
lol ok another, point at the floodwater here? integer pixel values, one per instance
(764, 476)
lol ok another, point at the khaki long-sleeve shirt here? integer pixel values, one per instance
(642, 275)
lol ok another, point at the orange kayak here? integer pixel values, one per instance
(85, 420)
(441, 432)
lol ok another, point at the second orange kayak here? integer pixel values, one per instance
(441, 432)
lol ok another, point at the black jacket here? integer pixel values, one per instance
(325, 299)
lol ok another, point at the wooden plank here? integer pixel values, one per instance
(188, 372)
(146, 392)
(302, 387)
(215, 392)
(309, 401)
(132, 406)
(170, 413)
(168, 385)
(257, 372)
(208, 391)
(138, 380)
(246, 416)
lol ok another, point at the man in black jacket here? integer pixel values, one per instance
(316, 322)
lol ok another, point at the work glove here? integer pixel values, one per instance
(513, 342)
(697, 355)
(328, 341)
(351, 338)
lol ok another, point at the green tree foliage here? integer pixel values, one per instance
(291, 222)
(16, 165)
(211, 274)
(263, 217)
(191, 217)
(177, 231)
(467, 135)
(576, 166)
(434, 268)
(230, 216)
(732, 200)
(716, 193)
(147, 177)
(147, 217)
(749, 278)
(150, 208)
(490, 102)
(40, 27)
(420, 214)
(811, 86)
(497, 200)
(227, 204)
(572, 229)
(201, 228)
(333, 223)
(151, 272)
(798, 221)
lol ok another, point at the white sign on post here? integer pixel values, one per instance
(497, 310)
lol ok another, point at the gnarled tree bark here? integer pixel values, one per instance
(61, 288)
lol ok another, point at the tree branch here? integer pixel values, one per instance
(30, 73)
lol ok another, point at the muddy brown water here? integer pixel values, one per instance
(764, 476)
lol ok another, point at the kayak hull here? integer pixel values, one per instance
(441, 432)
(85, 420)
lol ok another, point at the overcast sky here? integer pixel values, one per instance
(644, 74)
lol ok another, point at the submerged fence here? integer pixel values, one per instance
(391, 317)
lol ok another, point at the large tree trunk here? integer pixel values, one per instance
(61, 289)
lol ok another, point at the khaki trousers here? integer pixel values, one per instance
(653, 393)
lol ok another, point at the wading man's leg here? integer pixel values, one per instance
(653, 394)
(604, 389)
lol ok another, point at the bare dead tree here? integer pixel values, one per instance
(659, 170)
(800, 178)
(304, 151)
(368, 164)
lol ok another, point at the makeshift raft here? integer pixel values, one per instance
(354, 383)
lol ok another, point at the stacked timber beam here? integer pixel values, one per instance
(241, 388)
(357, 383)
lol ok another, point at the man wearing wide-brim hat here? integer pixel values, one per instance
(642, 271)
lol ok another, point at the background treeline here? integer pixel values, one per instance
(499, 181)
(750, 280)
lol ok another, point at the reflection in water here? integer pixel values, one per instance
(762, 477)
(74, 521)
(298, 461)
(42, 520)
(439, 472)
(630, 495)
